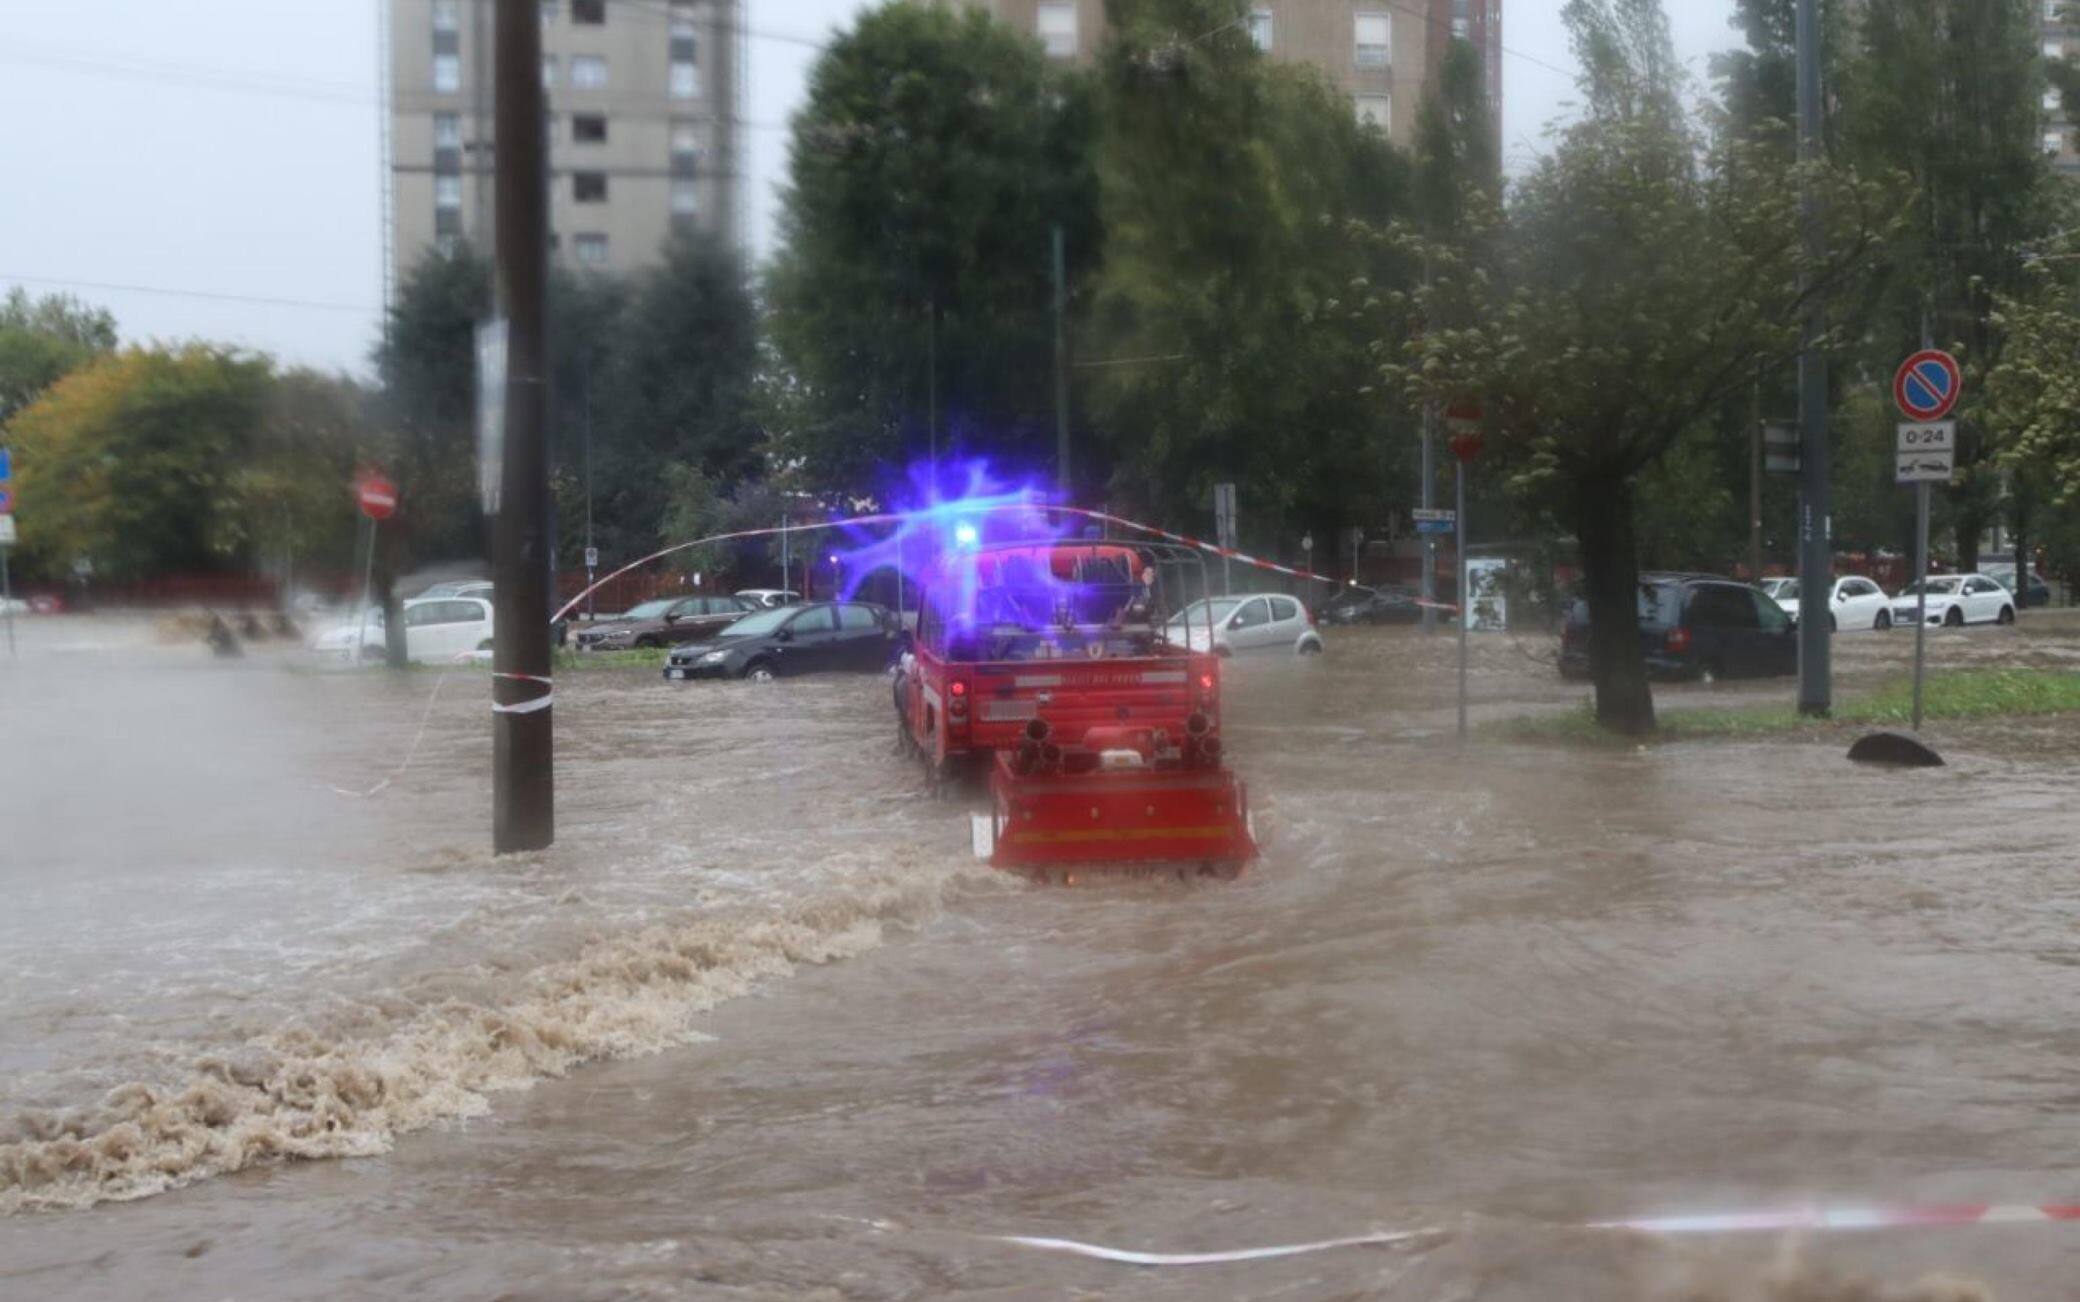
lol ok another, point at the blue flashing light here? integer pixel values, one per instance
(965, 535)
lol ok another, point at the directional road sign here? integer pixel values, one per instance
(1429, 521)
(6, 481)
(1927, 385)
(1927, 453)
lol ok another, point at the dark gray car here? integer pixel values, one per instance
(667, 621)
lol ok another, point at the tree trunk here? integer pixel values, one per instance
(2020, 520)
(1970, 524)
(1610, 565)
(383, 575)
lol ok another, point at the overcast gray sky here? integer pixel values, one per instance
(228, 147)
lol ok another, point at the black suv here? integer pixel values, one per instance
(1696, 626)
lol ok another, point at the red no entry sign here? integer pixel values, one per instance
(377, 495)
(1927, 385)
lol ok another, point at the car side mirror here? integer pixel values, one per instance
(671, 617)
(784, 635)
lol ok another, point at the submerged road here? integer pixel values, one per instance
(755, 1027)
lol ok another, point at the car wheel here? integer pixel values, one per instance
(759, 671)
(1310, 648)
(2007, 615)
(486, 645)
(1955, 619)
(1883, 621)
(1834, 625)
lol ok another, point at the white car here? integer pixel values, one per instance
(1244, 623)
(437, 630)
(1955, 600)
(769, 596)
(1858, 602)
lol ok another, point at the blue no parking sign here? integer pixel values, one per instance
(1927, 385)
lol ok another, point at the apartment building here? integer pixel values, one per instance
(1382, 53)
(2061, 32)
(643, 126)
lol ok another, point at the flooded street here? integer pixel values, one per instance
(758, 1027)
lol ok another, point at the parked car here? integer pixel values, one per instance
(1391, 604)
(1858, 602)
(458, 588)
(1244, 623)
(1955, 600)
(779, 641)
(2039, 593)
(1775, 588)
(437, 630)
(770, 596)
(1696, 627)
(666, 621)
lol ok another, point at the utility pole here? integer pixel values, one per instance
(591, 551)
(1061, 365)
(523, 808)
(1755, 486)
(1816, 505)
(931, 382)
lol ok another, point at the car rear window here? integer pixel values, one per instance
(1284, 608)
(815, 619)
(856, 617)
(1721, 605)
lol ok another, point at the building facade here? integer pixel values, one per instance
(2061, 32)
(642, 122)
(1384, 54)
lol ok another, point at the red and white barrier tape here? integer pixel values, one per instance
(541, 702)
(891, 517)
(1808, 1218)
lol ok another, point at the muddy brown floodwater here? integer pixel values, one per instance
(756, 1027)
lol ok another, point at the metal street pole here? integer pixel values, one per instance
(7, 599)
(1816, 506)
(591, 552)
(1920, 590)
(1755, 487)
(931, 345)
(523, 803)
(1428, 583)
(1061, 364)
(1465, 604)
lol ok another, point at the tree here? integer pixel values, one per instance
(1639, 278)
(43, 339)
(1948, 94)
(428, 363)
(936, 151)
(679, 390)
(1224, 346)
(133, 460)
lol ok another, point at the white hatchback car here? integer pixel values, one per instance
(437, 630)
(1957, 599)
(1858, 602)
(1246, 623)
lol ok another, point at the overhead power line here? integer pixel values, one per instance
(318, 305)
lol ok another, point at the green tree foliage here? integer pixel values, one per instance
(1948, 94)
(936, 150)
(1641, 276)
(134, 461)
(427, 360)
(43, 339)
(1220, 340)
(680, 390)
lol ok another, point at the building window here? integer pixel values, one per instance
(591, 13)
(447, 131)
(447, 192)
(682, 25)
(1462, 28)
(2054, 49)
(1260, 28)
(588, 72)
(1057, 28)
(447, 245)
(1374, 37)
(548, 71)
(2051, 100)
(2055, 10)
(1376, 111)
(589, 128)
(686, 80)
(447, 73)
(589, 187)
(548, 12)
(2054, 142)
(445, 18)
(686, 196)
(591, 249)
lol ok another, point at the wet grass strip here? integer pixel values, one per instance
(1961, 694)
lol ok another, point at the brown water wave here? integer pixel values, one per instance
(301, 1093)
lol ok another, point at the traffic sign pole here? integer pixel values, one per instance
(1920, 591)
